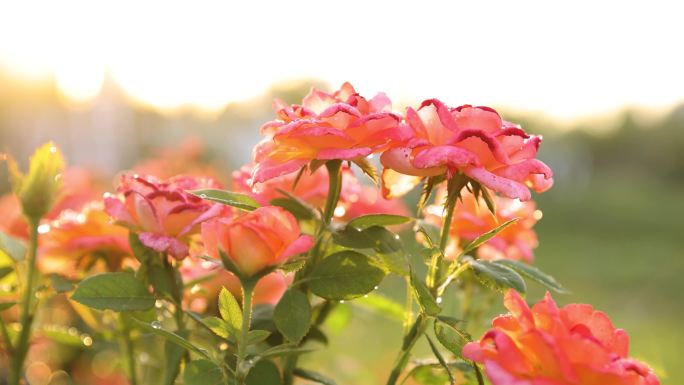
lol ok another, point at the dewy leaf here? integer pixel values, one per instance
(534, 274)
(425, 299)
(114, 291)
(12, 247)
(498, 277)
(450, 337)
(230, 310)
(202, 372)
(345, 275)
(263, 373)
(366, 221)
(378, 238)
(292, 315)
(486, 236)
(313, 376)
(381, 305)
(229, 198)
(170, 336)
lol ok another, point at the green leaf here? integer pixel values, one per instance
(113, 291)
(313, 376)
(534, 274)
(381, 305)
(425, 299)
(378, 238)
(497, 277)
(367, 167)
(229, 198)
(396, 262)
(450, 336)
(202, 372)
(60, 283)
(230, 310)
(263, 373)
(219, 327)
(154, 328)
(257, 336)
(441, 359)
(292, 315)
(366, 221)
(6, 305)
(486, 236)
(5, 271)
(344, 275)
(12, 247)
(293, 266)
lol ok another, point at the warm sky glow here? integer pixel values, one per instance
(566, 59)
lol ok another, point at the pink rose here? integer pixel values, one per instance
(78, 238)
(545, 345)
(438, 140)
(340, 125)
(263, 238)
(163, 213)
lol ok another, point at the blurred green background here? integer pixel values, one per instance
(612, 228)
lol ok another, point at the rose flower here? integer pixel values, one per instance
(77, 239)
(472, 219)
(263, 238)
(438, 140)
(163, 213)
(340, 125)
(545, 345)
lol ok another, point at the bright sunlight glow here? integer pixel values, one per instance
(564, 58)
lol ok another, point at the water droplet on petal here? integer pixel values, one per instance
(438, 299)
(375, 288)
(53, 149)
(203, 196)
(156, 325)
(58, 177)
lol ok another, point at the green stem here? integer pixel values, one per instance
(27, 316)
(446, 227)
(334, 189)
(417, 330)
(127, 350)
(247, 294)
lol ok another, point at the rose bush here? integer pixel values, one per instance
(238, 284)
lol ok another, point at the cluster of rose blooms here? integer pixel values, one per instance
(87, 231)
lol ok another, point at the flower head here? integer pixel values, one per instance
(339, 125)
(163, 213)
(573, 345)
(472, 219)
(263, 238)
(77, 239)
(438, 140)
